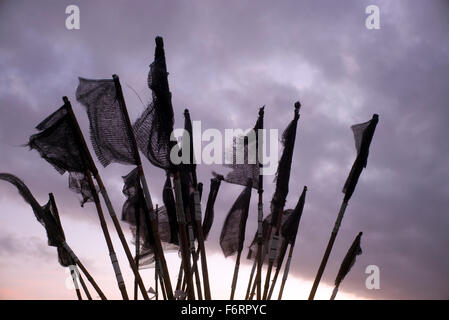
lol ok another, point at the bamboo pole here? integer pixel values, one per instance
(89, 163)
(236, 272)
(251, 276)
(273, 252)
(264, 254)
(286, 270)
(83, 269)
(183, 236)
(320, 272)
(137, 218)
(281, 256)
(83, 285)
(158, 247)
(334, 293)
(194, 268)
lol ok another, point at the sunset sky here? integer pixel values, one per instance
(225, 60)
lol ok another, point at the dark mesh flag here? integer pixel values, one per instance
(289, 229)
(284, 167)
(45, 216)
(154, 127)
(233, 232)
(209, 213)
(363, 135)
(108, 129)
(58, 144)
(349, 259)
(249, 167)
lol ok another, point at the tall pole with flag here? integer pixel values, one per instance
(363, 134)
(347, 263)
(280, 195)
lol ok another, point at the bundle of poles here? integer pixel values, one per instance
(179, 221)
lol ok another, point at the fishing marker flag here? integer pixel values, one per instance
(363, 135)
(58, 143)
(108, 130)
(284, 167)
(233, 232)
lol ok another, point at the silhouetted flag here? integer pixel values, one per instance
(45, 215)
(349, 259)
(108, 131)
(249, 167)
(289, 228)
(363, 134)
(154, 127)
(284, 167)
(233, 232)
(209, 213)
(58, 143)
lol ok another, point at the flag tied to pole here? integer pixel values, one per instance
(46, 217)
(349, 259)
(58, 143)
(233, 232)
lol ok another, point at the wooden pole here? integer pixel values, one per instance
(137, 218)
(158, 246)
(273, 252)
(281, 256)
(334, 293)
(320, 272)
(83, 284)
(89, 163)
(83, 269)
(264, 254)
(183, 236)
(286, 270)
(194, 268)
(236, 272)
(251, 276)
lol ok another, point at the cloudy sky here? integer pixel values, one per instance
(225, 60)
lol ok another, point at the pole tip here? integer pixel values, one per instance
(360, 233)
(115, 77)
(65, 99)
(297, 105)
(305, 188)
(159, 41)
(261, 110)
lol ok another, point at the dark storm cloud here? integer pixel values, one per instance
(226, 60)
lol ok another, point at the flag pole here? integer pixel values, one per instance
(90, 164)
(198, 214)
(282, 251)
(286, 270)
(330, 244)
(181, 217)
(351, 182)
(136, 285)
(275, 239)
(158, 247)
(243, 219)
(259, 211)
(83, 284)
(251, 276)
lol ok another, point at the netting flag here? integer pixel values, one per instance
(284, 167)
(154, 127)
(45, 215)
(349, 259)
(233, 232)
(108, 129)
(58, 143)
(248, 167)
(363, 135)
